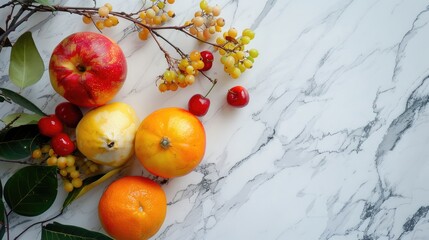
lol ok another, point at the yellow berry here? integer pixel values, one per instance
(70, 169)
(249, 33)
(45, 148)
(37, 153)
(161, 5)
(198, 14)
(245, 40)
(247, 63)
(171, 13)
(61, 163)
(189, 79)
(99, 24)
(86, 19)
(204, 4)
(51, 152)
(164, 17)
(207, 34)
(70, 160)
(235, 73)
(163, 87)
(212, 30)
(195, 56)
(232, 32)
(216, 10)
(190, 70)
(155, 8)
(150, 13)
(144, 34)
(198, 21)
(173, 87)
(109, 6)
(142, 15)
(157, 20)
(68, 186)
(77, 182)
(220, 22)
(63, 172)
(74, 174)
(52, 161)
(114, 20)
(229, 61)
(103, 11)
(108, 22)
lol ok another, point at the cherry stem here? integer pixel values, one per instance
(213, 84)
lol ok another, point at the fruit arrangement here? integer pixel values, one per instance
(90, 137)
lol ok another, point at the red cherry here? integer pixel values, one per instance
(62, 144)
(198, 105)
(50, 126)
(207, 58)
(237, 96)
(69, 114)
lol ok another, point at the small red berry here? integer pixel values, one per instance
(207, 58)
(69, 114)
(237, 96)
(198, 105)
(62, 144)
(50, 126)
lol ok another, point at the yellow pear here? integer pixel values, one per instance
(105, 135)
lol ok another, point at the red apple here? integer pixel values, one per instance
(88, 69)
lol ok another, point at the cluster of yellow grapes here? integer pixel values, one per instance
(104, 20)
(206, 22)
(70, 167)
(182, 74)
(232, 49)
(154, 16)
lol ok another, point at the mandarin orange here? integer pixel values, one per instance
(132, 208)
(170, 142)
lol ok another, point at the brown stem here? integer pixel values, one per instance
(166, 55)
(178, 50)
(40, 222)
(15, 24)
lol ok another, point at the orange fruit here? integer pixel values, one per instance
(132, 207)
(170, 142)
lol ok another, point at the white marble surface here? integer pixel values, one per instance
(333, 145)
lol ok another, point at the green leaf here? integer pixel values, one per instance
(20, 119)
(22, 101)
(88, 184)
(44, 2)
(55, 231)
(26, 66)
(31, 190)
(18, 142)
(2, 213)
(6, 42)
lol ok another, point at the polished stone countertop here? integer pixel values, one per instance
(333, 144)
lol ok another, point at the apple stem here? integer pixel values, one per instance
(214, 83)
(81, 68)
